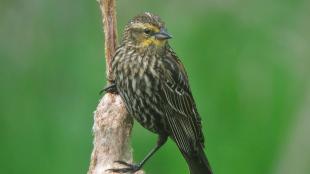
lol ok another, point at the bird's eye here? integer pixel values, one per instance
(147, 31)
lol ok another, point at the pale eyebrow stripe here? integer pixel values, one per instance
(141, 25)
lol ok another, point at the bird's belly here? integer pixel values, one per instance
(147, 115)
(142, 100)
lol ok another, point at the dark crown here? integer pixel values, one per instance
(148, 18)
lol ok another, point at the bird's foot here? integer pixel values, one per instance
(111, 89)
(130, 168)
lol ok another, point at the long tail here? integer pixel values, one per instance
(198, 163)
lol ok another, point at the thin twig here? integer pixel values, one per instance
(110, 30)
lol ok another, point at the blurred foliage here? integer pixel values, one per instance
(248, 64)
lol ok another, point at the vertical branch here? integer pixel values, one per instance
(107, 8)
(112, 126)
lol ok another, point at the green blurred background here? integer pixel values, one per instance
(248, 64)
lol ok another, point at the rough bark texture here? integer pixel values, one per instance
(111, 129)
(112, 126)
(108, 12)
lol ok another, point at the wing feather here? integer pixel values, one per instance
(181, 112)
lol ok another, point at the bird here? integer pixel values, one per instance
(154, 86)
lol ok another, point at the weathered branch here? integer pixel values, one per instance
(107, 8)
(112, 126)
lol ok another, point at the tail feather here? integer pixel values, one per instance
(198, 163)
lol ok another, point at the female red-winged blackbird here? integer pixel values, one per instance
(154, 86)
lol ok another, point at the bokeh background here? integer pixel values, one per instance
(248, 64)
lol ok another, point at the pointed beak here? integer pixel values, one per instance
(162, 35)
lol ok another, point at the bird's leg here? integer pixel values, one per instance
(111, 89)
(135, 167)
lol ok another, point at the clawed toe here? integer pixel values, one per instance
(109, 89)
(124, 163)
(130, 168)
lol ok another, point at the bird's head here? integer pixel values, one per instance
(146, 30)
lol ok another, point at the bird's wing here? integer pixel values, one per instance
(181, 113)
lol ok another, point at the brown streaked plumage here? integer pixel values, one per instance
(154, 86)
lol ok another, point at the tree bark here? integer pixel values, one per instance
(112, 125)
